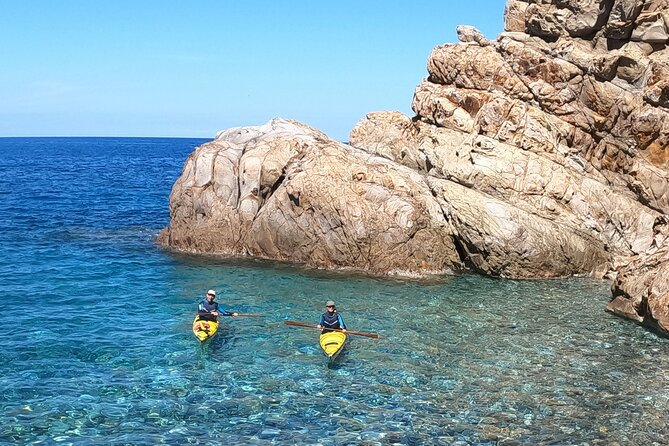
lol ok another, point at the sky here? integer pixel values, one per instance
(191, 68)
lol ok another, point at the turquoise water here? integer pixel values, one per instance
(96, 347)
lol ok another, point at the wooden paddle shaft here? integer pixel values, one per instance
(237, 315)
(359, 333)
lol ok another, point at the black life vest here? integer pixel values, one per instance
(207, 306)
(331, 320)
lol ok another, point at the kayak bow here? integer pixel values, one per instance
(332, 343)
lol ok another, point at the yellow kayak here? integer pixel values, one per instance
(332, 344)
(204, 330)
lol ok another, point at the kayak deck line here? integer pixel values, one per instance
(332, 343)
(204, 329)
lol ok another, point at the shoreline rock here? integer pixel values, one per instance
(284, 191)
(542, 153)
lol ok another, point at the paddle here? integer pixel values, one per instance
(359, 333)
(238, 315)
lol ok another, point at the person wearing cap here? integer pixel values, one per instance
(331, 319)
(208, 309)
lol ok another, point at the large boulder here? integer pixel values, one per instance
(563, 123)
(641, 291)
(541, 153)
(286, 191)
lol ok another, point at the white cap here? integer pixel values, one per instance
(212, 292)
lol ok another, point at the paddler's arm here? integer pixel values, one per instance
(342, 325)
(227, 313)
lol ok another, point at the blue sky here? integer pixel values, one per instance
(177, 68)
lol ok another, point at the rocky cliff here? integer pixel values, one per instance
(542, 153)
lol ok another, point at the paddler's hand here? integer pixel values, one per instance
(319, 326)
(344, 330)
(235, 314)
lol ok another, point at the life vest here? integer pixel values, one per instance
(331, 320)
(207, 306)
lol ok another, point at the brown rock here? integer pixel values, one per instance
(542, 153)
(285, 191)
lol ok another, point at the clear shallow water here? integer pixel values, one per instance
(96, 348)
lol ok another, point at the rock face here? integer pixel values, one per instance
(543, 153)
(641, 291)
(286, 191)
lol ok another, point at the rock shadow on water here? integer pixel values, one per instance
(244, 262)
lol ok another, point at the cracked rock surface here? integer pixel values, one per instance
(286, 191)
(542, 153)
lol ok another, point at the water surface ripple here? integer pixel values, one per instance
(96, 348)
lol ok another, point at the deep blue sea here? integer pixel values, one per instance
(96, 344)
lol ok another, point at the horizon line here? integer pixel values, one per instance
(105, 136)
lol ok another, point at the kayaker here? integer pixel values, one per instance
(331, 319)
(208, 309)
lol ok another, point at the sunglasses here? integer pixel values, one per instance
(329, 306)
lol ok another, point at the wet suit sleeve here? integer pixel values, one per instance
(341, 322)
(222, 312)
(322, 322)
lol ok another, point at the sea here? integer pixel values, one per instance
(96, 346)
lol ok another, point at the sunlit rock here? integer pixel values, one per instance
(286, 191)
(541, 153)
